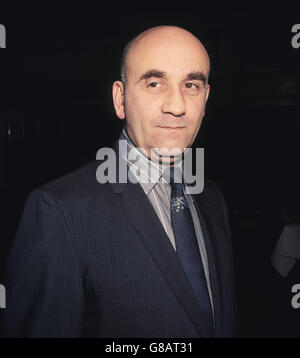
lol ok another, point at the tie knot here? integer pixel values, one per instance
(176, 182)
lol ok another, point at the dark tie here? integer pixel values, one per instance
(187, 248)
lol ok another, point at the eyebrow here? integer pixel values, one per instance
(152, 73)
(196, 75)
(199, 76)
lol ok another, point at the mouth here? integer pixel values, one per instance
(171, 128)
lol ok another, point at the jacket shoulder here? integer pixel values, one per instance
(213, 198)
(212, 194)
(78, 181)
(80, 185)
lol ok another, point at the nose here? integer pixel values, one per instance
(174, 102)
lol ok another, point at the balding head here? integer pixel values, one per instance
(160, 34)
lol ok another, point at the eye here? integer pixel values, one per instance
(153, 84)
(192, 85)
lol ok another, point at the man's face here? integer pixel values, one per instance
(165, 93)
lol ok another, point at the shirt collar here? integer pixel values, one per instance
(150, 172)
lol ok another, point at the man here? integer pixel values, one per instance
(142, 259)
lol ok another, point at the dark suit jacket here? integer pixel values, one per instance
(93, 260)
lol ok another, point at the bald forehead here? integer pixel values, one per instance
(164, 38)
(170, 33)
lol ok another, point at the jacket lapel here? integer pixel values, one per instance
(143, 218)
(204, 214)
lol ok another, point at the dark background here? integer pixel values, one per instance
(56, 111)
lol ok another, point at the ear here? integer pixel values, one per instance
(207, 92)
(118, 98)
(207, 87)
